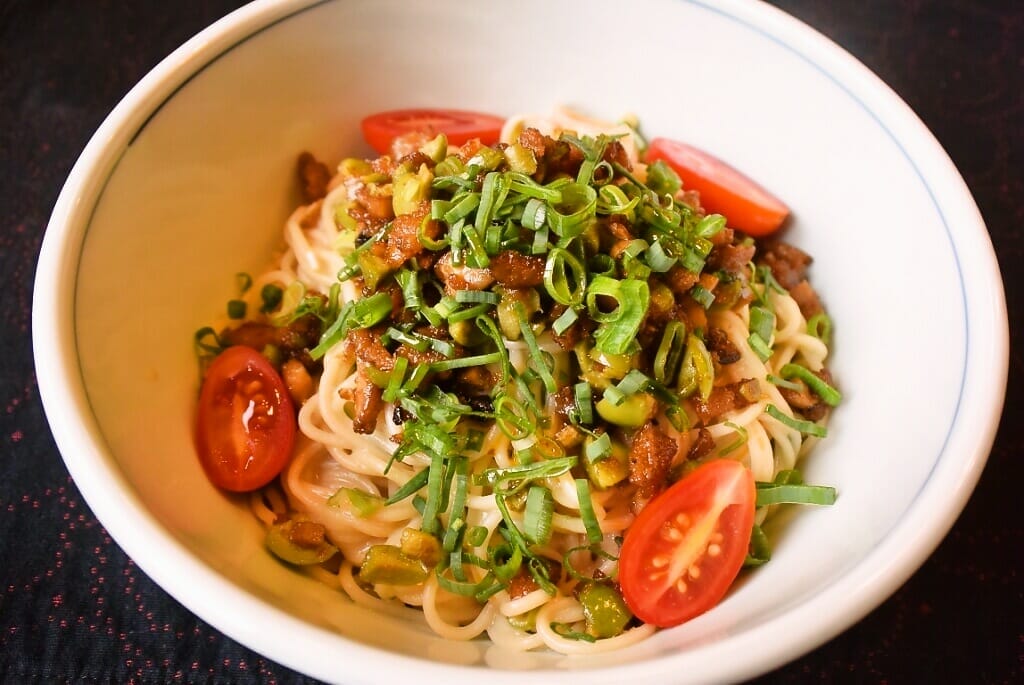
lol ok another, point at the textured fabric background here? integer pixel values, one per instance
(73, 606)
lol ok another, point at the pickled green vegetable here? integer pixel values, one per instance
(420, 545)
(279, 541)
(388, 564)
(604, 609)
(613, 469)
(410, 189)
(634, 411)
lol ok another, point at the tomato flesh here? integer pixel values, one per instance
(687, 546)
(245, 428)
(459, 126)
(723, 190)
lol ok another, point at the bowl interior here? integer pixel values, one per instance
(204, 187)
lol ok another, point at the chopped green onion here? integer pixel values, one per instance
(463, 362)
(531, 342)
(783, 383)
(534, 214)
(670, 352)
(760, 551)
(243, 282)
(563, 322)
(537, 516)
(476, 247)
(435, 482)
(584, 403)
(271, 296)
(598, 449)
(710, 225)
(762, 323)
(702, 296)
(826, 392)
(456, 520)
(806, 427)
(772, 493)
(411, 487)
(476, 296)
(759, 346)
(565, 277)
(395, 379)
(618, 329)
(741, 439)
(659, 260)
(590, 523)
(462, 208)
(236, 309)
(469, 313)
(511, 479)
(571, 216)
(820, 326)
(476, 536)
(565, 630)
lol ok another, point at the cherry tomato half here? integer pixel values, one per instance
(687, 545)
(723, 190)
(245, 429)
(459, 126)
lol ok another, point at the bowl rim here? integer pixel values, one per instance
(323, 653)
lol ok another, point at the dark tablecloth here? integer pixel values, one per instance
(74, 607)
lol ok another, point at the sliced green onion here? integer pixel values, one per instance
(584, 403)
(659, 260)
(826, 392)
(820, 326)
(537, 517)
(271, 296)
(697, 371)
(702, 296)
(476, 247)
(511, 479)
(435, 482)
(760, 551)
(617, 334)
(243, 281)
(476, 535)
(563, 322)
(463, 362)
(236, 309)
(456, 520)
(571, 216)
(395, 379)
(759, 346)
(670, 352)
(740, 441)
(540, 362)
(411, 487)
(565, 630)
(598, 449)
(565, 277)
(462, 208)
(806, 427)
(534, 214)
(464, 296)
(469, 313)
(772, 493)
(783, 383)
(762, 323)
(710, 225)
(540, 241)
(590, 523)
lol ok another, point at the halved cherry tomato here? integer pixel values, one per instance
(459, 126)
(245, 429)
(723, 190)
(687, 545)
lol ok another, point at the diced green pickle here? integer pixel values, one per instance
(611, 470)
(388, 564)
(410, 189)
(604, 609)
(634, 411)
(278, 541)
(526, 622)
(437, 148)
(374, 269)
(420, 545)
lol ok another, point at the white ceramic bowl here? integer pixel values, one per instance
(189, 179)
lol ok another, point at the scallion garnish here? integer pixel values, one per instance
(537, 515)
(826, 392)
(590, 523)
(806, 427)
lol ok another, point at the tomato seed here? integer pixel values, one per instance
(714, 550)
